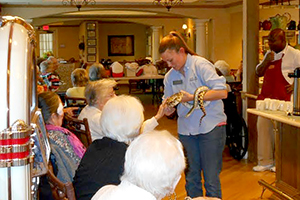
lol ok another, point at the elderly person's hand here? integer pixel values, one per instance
(161, 110)
(70, 110)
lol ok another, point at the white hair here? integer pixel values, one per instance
(154, 161)
(223, 66)
(98, 90)
(122, 118)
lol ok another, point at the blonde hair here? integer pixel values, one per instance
(98, 90)
(79, 77)
(48, 102)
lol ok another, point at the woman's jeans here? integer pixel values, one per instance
(204, 153)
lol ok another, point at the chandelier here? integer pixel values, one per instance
(168, 3)
(78, 3)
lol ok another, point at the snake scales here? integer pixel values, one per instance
(198, 103)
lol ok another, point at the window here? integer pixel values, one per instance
(46, 43)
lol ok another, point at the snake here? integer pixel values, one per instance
(198, 103)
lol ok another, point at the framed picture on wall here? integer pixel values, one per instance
(91, 50)
(91, 42)
(91, 58)
(120, 45)
(91, 34)
(91, 26)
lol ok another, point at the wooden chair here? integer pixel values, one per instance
(60, 190)
(79, 127)
(75, 102)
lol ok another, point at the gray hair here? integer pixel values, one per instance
(122, 118)
(223, 66)
(154, 161)
(98, 90)
(96, 72)
(44, 66)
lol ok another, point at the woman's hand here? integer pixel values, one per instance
(186, 96)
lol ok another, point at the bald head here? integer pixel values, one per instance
(277, 41)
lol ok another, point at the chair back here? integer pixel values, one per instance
(75, 102)
(60, 190)
(79, 127)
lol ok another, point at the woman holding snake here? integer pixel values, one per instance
(203, 143)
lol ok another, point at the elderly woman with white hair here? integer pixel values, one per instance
(97, 93)
(153, 166)
(224, 68)
(121, 121)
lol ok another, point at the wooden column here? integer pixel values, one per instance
(250, 60)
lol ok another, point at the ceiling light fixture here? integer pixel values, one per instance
(168, 3)
(78, 3)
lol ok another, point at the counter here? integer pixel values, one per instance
(287, 152)
(279, 116)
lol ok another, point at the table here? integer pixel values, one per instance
(287, 145)
(155, 84)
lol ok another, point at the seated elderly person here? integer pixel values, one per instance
(97, 93)
(66, 148)
(79, 78)
(224, 68)
(49, 75)
(97, 72)
(154, 162)
(121, 121)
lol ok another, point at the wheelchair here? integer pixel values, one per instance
(236, 128)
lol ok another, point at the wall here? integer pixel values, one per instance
(137, 30)
(236, 39)
(68, 41)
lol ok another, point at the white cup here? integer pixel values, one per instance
(282, 106)
(267, 103)
(260, 104)
(274, 104)
(289, 106)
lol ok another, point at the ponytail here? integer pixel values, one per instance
(174, 41)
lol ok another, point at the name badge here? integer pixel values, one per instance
(177, 82)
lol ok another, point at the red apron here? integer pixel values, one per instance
(274, 85)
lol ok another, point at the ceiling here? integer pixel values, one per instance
(115, 9)
(132, 2)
